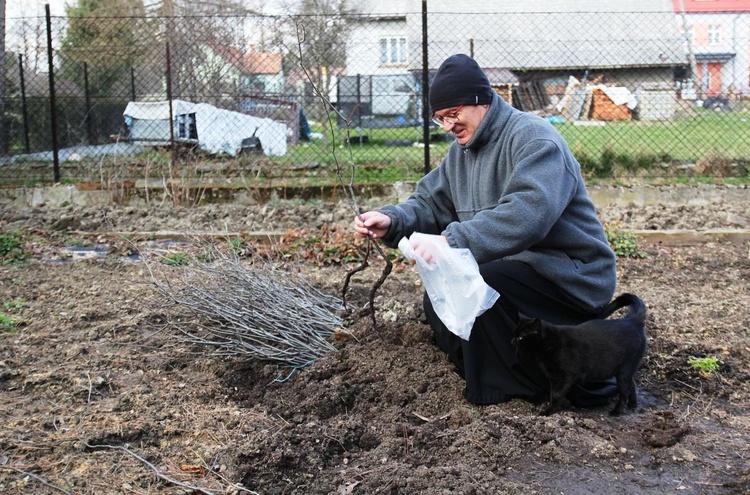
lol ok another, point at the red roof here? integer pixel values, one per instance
(250, 63)
(712, 5)
(232, 55)
(264, 62)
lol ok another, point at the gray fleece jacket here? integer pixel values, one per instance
(515, 192)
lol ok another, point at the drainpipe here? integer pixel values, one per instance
(691, 52)
(736, 52)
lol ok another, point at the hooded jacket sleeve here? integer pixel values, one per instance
(428, 210)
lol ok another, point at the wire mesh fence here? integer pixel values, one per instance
(275, 98)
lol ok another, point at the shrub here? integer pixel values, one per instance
(706, 366)
(623, 242)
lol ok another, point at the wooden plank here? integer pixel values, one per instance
(692, 237)
(261, 236)
(587, 105)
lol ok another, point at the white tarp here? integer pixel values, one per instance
(619, 95)
(219, 130)
(157, 110)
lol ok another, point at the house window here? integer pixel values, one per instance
(714, 34)
(392, 51)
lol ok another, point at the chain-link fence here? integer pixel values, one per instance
(258, 97)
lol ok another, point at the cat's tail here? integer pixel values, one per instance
(637, 307)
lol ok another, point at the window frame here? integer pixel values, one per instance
(393, 50)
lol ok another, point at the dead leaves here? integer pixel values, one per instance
(325, 246)
(194, 469)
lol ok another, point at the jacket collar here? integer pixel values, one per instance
(494, 122)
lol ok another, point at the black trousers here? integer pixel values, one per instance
(488, 361)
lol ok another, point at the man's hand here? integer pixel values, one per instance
(372, 223)
(424, 245)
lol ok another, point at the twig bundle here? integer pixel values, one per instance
(256, 310)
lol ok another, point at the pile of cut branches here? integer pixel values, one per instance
(248, 308)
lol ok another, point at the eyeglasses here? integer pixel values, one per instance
(451, 118)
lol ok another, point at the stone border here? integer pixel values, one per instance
(137, 194)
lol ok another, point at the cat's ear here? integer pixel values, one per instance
(531, 326)
(539, 328)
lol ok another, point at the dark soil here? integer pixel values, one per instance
(97, 395)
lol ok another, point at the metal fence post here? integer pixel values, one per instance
(87, 92)
(52, 102)
(359, 106)
(24, 109)
(132, 83)
(169, 99)
(425, 87)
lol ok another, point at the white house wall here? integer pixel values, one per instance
(363, 47)
(735, 39)
(212, 65)
(398, 94)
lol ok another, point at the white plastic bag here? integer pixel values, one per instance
(457, 291)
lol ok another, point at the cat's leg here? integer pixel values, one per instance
(619, 405)
(633, 398)
(557, 395)
(625, 391)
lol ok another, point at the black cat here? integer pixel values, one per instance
(594, 350)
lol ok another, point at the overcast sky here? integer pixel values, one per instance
(33, 8)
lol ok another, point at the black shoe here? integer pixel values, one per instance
(594, 394)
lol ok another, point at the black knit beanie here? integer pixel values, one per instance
(459, 81)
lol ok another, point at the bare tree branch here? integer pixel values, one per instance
(348, 187)
(257, 310)
(38, 478)
(153, 468)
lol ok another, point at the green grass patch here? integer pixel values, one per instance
(12, 244)
(688, 139)
(622, 148)
(706, 366)
(8, 324)
(175, 259)
(15, 306)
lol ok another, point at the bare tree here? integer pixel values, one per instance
(320, 28)
(197, 7)
(205, 40)
(27, 36)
